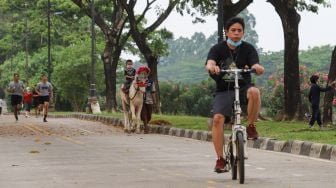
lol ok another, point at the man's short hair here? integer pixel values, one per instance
(313, 79)
(234, 20)
(16, 74)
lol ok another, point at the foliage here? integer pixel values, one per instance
(72, 83)
(273, 93)
(192, 99)
(27, 22)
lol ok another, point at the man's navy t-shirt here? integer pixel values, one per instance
(244, 54)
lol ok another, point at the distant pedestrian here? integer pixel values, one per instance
(15, 89)
(27, 101)
(1, 105)
(37, 102)
(149, 101)
(45, 90)
(314, 99)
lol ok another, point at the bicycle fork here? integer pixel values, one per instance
(236, 130)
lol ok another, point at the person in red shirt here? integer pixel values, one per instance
(27, 101)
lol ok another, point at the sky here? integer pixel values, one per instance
(314, 29)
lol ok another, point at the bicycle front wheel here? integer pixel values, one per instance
(240, 157)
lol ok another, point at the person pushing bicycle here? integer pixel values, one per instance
(241, 54)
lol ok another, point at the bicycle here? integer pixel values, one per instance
(236, 151)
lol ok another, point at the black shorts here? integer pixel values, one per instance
(36, 101)
(223, 101)
(44, 99)
(16, 100)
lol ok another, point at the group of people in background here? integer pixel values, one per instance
(27, 98)
(149, 95)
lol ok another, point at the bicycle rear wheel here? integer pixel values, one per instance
(240, 157)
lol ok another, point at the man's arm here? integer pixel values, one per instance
(310, 95)
(212, 67)
(325, 89)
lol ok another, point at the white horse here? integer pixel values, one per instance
(132, 105)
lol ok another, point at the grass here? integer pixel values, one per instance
(270, 129)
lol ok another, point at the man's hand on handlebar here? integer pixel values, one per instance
(259, 70)
(212, 67)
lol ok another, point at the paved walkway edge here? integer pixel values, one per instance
(315, 150)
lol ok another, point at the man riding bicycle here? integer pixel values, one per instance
(240, 54)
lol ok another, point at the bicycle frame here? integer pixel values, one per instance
(237, 127)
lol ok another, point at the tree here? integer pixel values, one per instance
(74, 90)
(110, 18)
(140, 35)
(287, 11)
(232, 9)
(327, 110)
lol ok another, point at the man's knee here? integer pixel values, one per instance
(218, 120)
(253, 93)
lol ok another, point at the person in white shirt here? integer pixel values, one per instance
(44, 90)
(15, 89)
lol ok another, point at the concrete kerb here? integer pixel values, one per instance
(296, 147)
(333, 154)
(315, 150)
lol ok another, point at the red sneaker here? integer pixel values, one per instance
(252, 133)
(220, 165)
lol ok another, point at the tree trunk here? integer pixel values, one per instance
(327, 109)
(290, 23)
(152, 64)
(110, 77)
(233, 9)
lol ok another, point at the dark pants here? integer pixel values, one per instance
(316, 116)
(146, 113)
(0, 110)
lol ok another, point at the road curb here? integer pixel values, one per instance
(297, 147)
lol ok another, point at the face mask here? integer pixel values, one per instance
(235, 44)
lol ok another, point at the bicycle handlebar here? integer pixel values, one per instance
(238, 70)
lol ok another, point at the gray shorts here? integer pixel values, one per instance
(223, 101)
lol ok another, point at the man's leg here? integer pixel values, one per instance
(313, 117)
(218, 141)
(318, 119)
(46, 105)
(218, 134)
(144, 116)
(253, 109)
(16, 109)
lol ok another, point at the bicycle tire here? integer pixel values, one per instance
(240, 157)
(232, 163)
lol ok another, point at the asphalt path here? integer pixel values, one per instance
(75, 153)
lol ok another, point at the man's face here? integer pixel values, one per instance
(44, 79)
(235, 32)
(16, 77)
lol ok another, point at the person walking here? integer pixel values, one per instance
(36, 102)
(149, 101)
(45, 90)
(15, 89)
(314, 99)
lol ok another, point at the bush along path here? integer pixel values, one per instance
(310, 149)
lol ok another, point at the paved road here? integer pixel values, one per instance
(74, 153)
